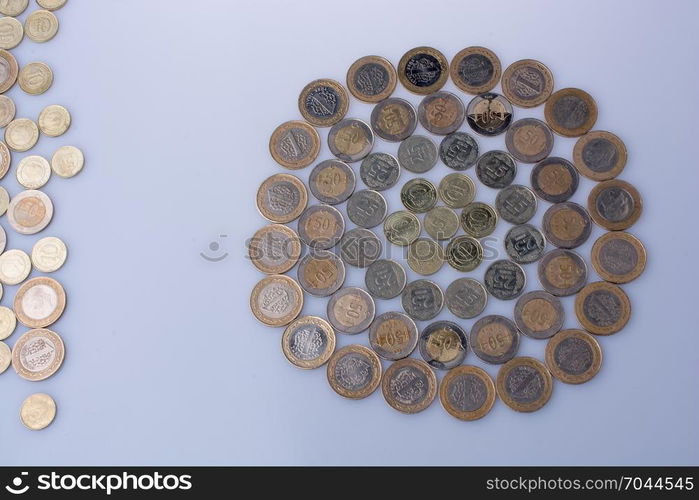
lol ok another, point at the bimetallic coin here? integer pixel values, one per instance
(422, 300)
(614, 204)
(35, 78)
(323, 102)
(11, 32)
(38, 354)
(441, 113)
(458, 151)
(9, 70)
(282, 198)
(332, 181)
(478, 219)
(529, 140)
(385, 279)
(618, 257)
(602, 308)
(41, 26)
(393, 336)
(443, 344)
(401, 228)
(30, 211)
(67, 161)
(13, 7)
(464, 253)
(354, 371)
(8, 322)
(367, 208)
(516, 204)
(51, 4)
(524, 244)
(276, 300)
(308, 342)
(21, 134)
(467, 393)
(505, 280)
(539, 314)
(567, 225)
(409, 385)
(15, 266)
(379, 171)
(599, 155)
(49, 254)
(37, 411)
(321, 273)
(524, 384)
(496, 169)
(351, 310)
(6, 357)
(7, 106)
(371, 79)
(570, 112)
(393, 119)
(562, 272)
(466, 298)
(456, 190)
(418, 195)
(360, 247)
(554, 179)
(39, 302)
(475, 70)
(573, 356)
(33, 171)
(350, 139)
(441, 223)
(321, 226)
(417, 154)
(425, 256)
(294, 144)
(274, 249)
(489, 114)
(527, 83)
(423, 70)
(54, 120)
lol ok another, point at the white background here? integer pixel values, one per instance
(173, 103)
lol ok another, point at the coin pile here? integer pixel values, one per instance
(410, 384)
(39, 301)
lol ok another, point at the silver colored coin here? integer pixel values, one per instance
(489, 114)
(562, 272)
(496, 169)
(351, 310)
(367, 208)
(394, 119)
(505, 280)
(401, 228)
(466, 298)
(332, 181)
(458, 151)
(567, 225)
(478, 219)
(443, 345)
(350, 139)
(379, 171)
(441, 113)
(393, 336)
(385, 279)
(418, 195)
(321, 226)
(441, 223)
(539, 314)
(525, 244)
(321, 273)
(422, 299)
(494, 339)
(516, 204)
(360, 247)
(456, 190)
(418, 154)
(554, 179)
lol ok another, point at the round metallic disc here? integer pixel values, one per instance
(458, 151)
(401, 228)
(38, 354)
(422, 299)
(527, 83)
(350, 140)
(371, 79)
(3, 242)
(573, 356)
(9, 71)
(4, 205)
(467, 393)
(39, 302)
(425, 256)
(618, 257)
(35, 78)
(418, 195)
(33, 171)
(456, 190)
(562, 272)
(385, 279)
(441, 113)
(15, 266)
(30, 211)
(321, 226)
(464, 253)
(494, 339)
(418, 154)
(567, 225)
(409, 385)
(367, 208)
(423, 70)
(51, 4)
(351, 310)
(393, 119)
(11, 32)
(323, 102)
(393, 336)
(54, 120)
(49, 254)
(599, 155)
(67, 161)
(321, 273)
(360, 247)
(489, 114)
(496, 169)
(8, 322)
(602, 308)
(294, 144)
(505, 280)
(332, 181)
(524, 384)
(615, 205)
(13, 7)
(5, 160)
(6, 357)
(441, 223)
(7, 106)
(539, 314)
(379, 171)
(570, 112)
(529, 140)
(478, 219)
(443, 345)
(21, 134)
(37, 411)
(41, 26)
(354, 371)
(516, 204)
(466, 298)
(525, 244)
(276, 300)
(281, 198)
(475, 70)
(308, 342)
(554, 179)
(274, 249)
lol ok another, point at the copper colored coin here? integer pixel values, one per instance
(524, 384)
(409, 385)
(527, 83)
(614, 204)
(562, 272)
(308, 342)
(294, 144)
(573, 356)
(554, 179)
(351, 310)
(39, 302)
(276, 300)
(393, 119)
(529, 140)
(371, 79)
(467, 392)
(618, 257)
(274, 249)
(423, 70)
(570, 112)
(494, 339)
(539, 314)
(441, 113)
(38, 354)
(567, 225)
(354, 371)
(323, 102)
(599, 155)
(475, 70)
(282, 198)
(602, 308)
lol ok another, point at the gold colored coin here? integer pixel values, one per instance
(276, 300)
(527, 83)
(308, 342)
(15, 266)
(49, 254)
(5, 357)
(354, 371)
(51, 4)
(9, 70)
(614, 204)
(30, 211)
(33, 171)
(274, 249)
(599, 155)
(467, 392)
(7, 108)
(573, 356)
(39, 302)
(8, 322)
(37, 411)
(371, 79)
(425, 256)
(323, 102)
(41, 25)
(294, 144)
(570, 112)
(35, 78)
(54, 120)
(423, 70)
(618, 257)
(524, 384)
(13, 7)
(67, 161)
(11, 32)
(38, 354)
(5, 159)
(21, 134)
(409, 385)
(4, 204)
(475, 70)
(602, 308)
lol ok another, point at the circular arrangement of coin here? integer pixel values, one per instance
(442, 221)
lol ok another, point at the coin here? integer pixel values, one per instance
(321, 226)
(4, 205)
(570, 112)
(393, 336)
(379, 171)
(422, 299)
(51, 4)
(524, 244)
(39, 302)
(464, 253)
(539, 314)
(478, 219)
(37, 411)
(35, 78)
(602, 308)
(409, 385)
(475, 70)
(351, 310)
(614, 204)
(67, 161)
(294, 144)
(385, 279)
(441, 223)
(282, 198)
(354, 371)
(33, 171)
(49, 254)
(529, 140)
(496, 169)
(573, 356)
(467, 393)
(350, 139)
(456, 190)
(393, 119)
(7, 106)
(417, 154)
(527, 83)
(516, 204)
(554, 179)
(599, 155)
(3, 242)
(332, 181)
(441, 113)
(274, 249)
(618, 257)
(505, 280)
(458, 151)
(425, 256)
(41, 26)
(21, 134)
(466, 298)
(367, 208)
(524, 384)
(371, 79)
(5, 357)
(11, 32)
(423, 70)
(489, 114)
(15, 266)
(308, 342)
(321, 273)
(562, 272)
(360, 247)
(8, 322)
(418, 195)
(276, 300)
(401, 228)
(567, 225)
(323, 102)
(443, 344)
(13, 7)
(9, 70)
(5, 160)
(54, 120)
(30, 211)
(38, 354)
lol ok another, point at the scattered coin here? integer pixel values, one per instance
(38, 354)
(567, 225)
(332, 181)
(67, 161)
(51, 4)
(599, 155)
(478, 219)
(505, 280)
(371, 79)
(529, 140)
(351, 310)
(441, 113)
(443, 344)
(494, 339)
(4, 205)
(409, 385)
(33, 171)
(425, 256)
(458, 151)
(379, 171)
(37, 411)
(524, 384)
(393, 336)
(573, 356)
(350, 139)
(524, 244)
(516, 204)
(321, 273)
(15, 266)
(489, 114)
(5, 357)
(294, 144)
(618, 257)
(323, 102)
(321, 226)
(418, 195)
(3, 242)
(496, 169)
(308, 342)
(554, 179)
(39, 302)
(276, 300)
(602, 308)
(354, 371)
(35, 78)
(54, 120)
(527, 83)
(360, 247)
(417, 154)
(467, 393)
(401, 228)
(562, 272)
(281, 198)
(423, 70)
(441, 223)
(539, 314)
(8, 322)
(475, 70)
(464, 253)
(41, 26)
(11, 32)
(394, 119)
(367, 208)
(385, 279)
(614, 204)
(13, 7)
(5, 160)
(466, 298)
(7, 105)
(422, 299)
(49, 254)
(30, 211)
(456, 190)
(9, 70)
(274, 249)
(21, 134)
(571, 112)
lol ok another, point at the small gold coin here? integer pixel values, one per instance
(7, 107)
(308, 342)
(49, 254)
(354, 371)
(67, 161)
(37, 411)
(9, 69)
(39, 302)
(5, 357)
(323, 102)
(33, 171)
(51, 4)
(276, 300)
(41, 25)
(21, 134)
(602, 308)
(5, 159)
(15, 266)
(524, 384)
(282, 198)
(8, 322)
(4, 204)
(294, 144)
(618, 257)
(54, 120)
(35, 78)
(13, 7)
(274, 249)
(467, 392)
(573, 356)
(409, 385)
(11, 32)
(371, 79)
(30, 211)
(38, 354)
(425, 256)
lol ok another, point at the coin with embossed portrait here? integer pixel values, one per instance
(371, 79)
(599, 155)
(539, 314)
(401, 228)
(321, 226)
(308, 342)
(441, 223)
(13, 7)
(418, 154)
(351, 310)
(360, 247)
(529, 140)
(562, 272)
(21, 134)
(394, 119)
(321, 273)
(332, 181)
(323, 102)
(441, 113)
(41, 25)
(475, 70)
(458, 151)
(38, 354)
(294, 144)
(456, 190)
(516, 204)
(15, 266)
(354, 371)
(527, 83)
(423, 70)
(504, 279)
(282, 198)
(573, 356)
(409, 385)
(350, 139)
(9, 70)
(524, 384)
(466, 298)
(554, 179)
(367, 208)
(35, 78)
(379, 171)
(67, 161)
(274, 249)
(570, 112)
(464, 253)
(478, 219)
(39, 302)
(489, 114)
(54, 120)
(385, 279)
(425, 256)
(422, 299)
(602, 308)
(33, 171)
(393, 336)
(524, 244)
(30, 211)
(276, 300)
(618, 257)
(496, 169)
(443, 344)
(37, 411)
(614, 204)
(567, 225)
(11, 32)
(418, 195)
(467, 392)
